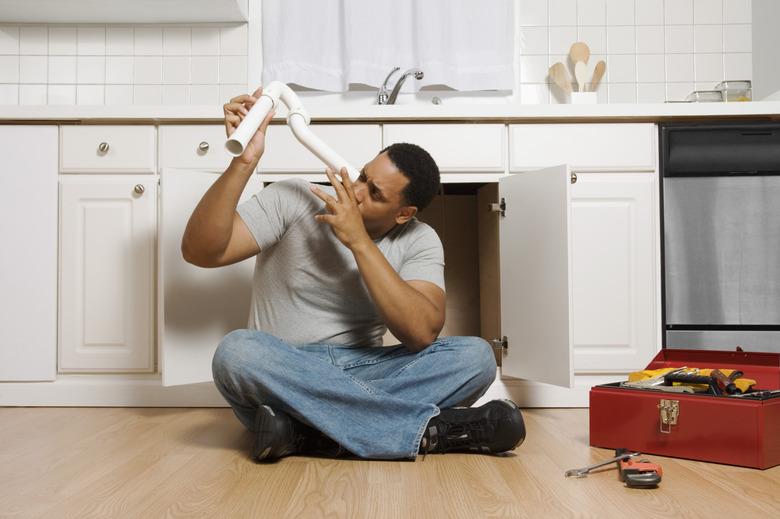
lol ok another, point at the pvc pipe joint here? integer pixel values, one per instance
(298, 119)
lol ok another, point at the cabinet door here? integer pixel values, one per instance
(197, 306)
(614, 271)
(28, 263)
(535, 245)
(108, 227)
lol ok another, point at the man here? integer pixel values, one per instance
(336, 268)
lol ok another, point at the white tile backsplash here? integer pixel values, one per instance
(33, 40)
(91, 70)
(708, 38)
(119, 94)
(33, 69)
(63, 42)
(119, 41)
(534, 40)
(562, 12)
(147, 94)
(233, 40)
(90, 94)
(679, 68)
(177, 41)
(32, 94)
(62, 70)
(595, 36)
(707, 11)
(148, 41)
(621, 39)
(91, 41)
(147, 70)
(709, 68)
(532, 12)
(620, 12)
(678, 39)
(9, 94)
(9, 69)
(737, 38)
(649, 12)
(591, 12)
(119, 70)
(650, 68)
(649, 39)
(678, 12)
(61, 95)
(9, 39)
(205, 41)
(176, 70)
(737, 11)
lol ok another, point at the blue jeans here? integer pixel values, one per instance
(374, 401)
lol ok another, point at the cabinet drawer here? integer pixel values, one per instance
(194, 147)
(595, 147)
(456, 148)
(107, 149)
(357, 143)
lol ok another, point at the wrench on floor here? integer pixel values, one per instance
(584, 471)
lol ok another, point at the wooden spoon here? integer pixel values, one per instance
(580, 73)
(579, 51)
(560, 75)
(598, 73)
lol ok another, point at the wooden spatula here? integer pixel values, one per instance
(579, 51)
(560, 76)
(598, 73)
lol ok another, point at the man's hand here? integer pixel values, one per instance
(344, 215)
(235, 111)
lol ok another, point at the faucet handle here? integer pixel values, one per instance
(383, 95)
(384, 85)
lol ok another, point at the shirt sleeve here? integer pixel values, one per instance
(425, 259)
(271, 211)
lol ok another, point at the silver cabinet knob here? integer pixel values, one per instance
(573, 178)
(103, 147)
(139, 189)
(203, 146)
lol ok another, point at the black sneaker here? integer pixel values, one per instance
(491, 428)
(278, 435)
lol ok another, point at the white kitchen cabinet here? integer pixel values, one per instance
(28, 263)
(107, 244)
(456, 148)
(614, 271)
(285, 156)
(198, 306)
(108, 149)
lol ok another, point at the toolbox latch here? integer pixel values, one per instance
(669, 410)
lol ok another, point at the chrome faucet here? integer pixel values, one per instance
(383, 98)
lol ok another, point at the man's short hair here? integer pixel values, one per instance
(421, 170)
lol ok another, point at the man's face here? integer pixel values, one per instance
(379, 193)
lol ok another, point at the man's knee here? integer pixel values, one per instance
(478, 356)
(229, 353)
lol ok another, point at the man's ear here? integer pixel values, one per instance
(405, 214)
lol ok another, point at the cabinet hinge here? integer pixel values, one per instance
(501, 343)
(499, 207)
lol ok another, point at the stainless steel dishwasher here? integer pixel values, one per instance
(721, 235)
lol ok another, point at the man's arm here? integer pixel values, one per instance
(215, 234)
(412, 310)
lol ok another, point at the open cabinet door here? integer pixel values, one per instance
(535, 247)
(197, 306)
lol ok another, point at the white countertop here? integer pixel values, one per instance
(410, 112)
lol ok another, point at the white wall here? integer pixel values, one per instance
(654, 50)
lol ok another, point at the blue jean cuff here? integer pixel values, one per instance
(418, 437)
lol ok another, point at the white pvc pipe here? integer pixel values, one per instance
(298, 120)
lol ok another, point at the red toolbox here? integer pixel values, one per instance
(741, 431)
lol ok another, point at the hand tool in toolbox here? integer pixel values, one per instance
(638, 474)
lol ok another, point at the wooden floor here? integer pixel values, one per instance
(140, 462)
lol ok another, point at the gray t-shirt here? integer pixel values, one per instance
(307, 287)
